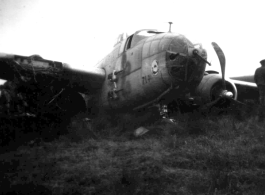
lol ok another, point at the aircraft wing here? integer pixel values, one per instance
(44, 72)
(246, 90)
(244, 83)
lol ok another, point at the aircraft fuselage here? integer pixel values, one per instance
(141, 69)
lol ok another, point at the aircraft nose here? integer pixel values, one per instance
(186, 67)
(199, 53)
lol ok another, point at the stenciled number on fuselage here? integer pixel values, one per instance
(146, 79)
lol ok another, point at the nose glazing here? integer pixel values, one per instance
(186, 67)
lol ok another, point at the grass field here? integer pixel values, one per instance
(205, 155)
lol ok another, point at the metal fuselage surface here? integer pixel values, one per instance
(148, 66)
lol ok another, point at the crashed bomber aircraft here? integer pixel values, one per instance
(145, 69)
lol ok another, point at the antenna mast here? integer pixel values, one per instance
(170, 26)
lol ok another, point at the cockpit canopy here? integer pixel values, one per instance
(132, 40)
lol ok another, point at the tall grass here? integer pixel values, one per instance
(196, 155)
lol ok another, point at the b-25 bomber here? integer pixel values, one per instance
(148, 68)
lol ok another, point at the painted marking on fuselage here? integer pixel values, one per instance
(146, 79)
(155, 67)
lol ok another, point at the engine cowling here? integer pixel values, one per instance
(211, 88)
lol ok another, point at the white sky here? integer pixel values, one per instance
(82, 32)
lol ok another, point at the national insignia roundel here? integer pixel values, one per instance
(155, 67)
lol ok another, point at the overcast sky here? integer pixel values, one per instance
(82, 32)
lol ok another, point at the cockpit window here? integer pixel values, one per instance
(128, 43)
(146, 33)
(138, 36)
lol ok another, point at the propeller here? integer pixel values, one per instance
(224, 96)
(221, 57)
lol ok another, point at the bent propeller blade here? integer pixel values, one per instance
(221, 57)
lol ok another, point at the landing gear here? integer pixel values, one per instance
(163, 110)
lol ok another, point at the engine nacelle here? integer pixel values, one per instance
(211, 88)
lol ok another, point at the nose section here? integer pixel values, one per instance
(185, 63)
(199, 53)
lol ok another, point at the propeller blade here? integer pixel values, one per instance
(224, 104)
(221, 57)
